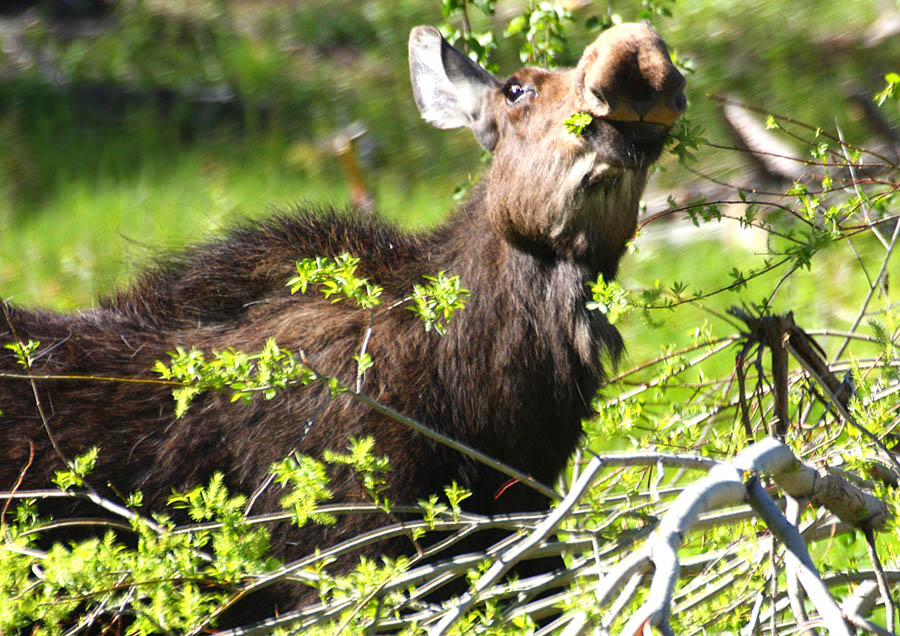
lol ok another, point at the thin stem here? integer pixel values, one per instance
(875, 284)
(883, 587)
(441, 438)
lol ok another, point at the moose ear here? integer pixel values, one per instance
(450, 89)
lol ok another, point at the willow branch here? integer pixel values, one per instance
(509, 558)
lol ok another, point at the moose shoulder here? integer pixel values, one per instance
(512, 377)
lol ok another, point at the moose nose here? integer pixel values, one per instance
(627, 75)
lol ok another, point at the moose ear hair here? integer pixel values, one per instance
(449, 88)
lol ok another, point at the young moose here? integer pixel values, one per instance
(512, 377)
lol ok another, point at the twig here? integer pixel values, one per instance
(362, 352)
(624, 598)
(840, 406)
(861, 623)
(750, 628)
(791, 120)
(576, 623)
(617, 379)
(795, 594)
(659, 380)
(53, 377)
(722, 486)
(15, 487)
(855, 182)
(517, 552)
(443, 439)
(34, 389)
(875, 284)
(880, 579)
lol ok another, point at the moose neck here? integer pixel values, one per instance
(549, 279)
(532, 349)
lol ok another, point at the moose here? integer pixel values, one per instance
(512, 376)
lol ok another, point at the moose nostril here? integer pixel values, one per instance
(598, 95)
(627, 74)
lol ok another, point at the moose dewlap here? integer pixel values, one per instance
(512, 376)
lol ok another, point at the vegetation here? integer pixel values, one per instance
(167, 122)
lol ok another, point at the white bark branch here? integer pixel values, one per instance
(724, 486)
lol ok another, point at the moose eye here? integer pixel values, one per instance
(513, 91)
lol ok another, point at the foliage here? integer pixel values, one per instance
(435, 302)
(478, 44)
(892, 81)
(337, 278)
(369, 468)
(23, 351)
(610, 298)
(166, 576)
(243, 374)
(543, 26)
(81, 466)
(685, 138)
(309, 487)
(577, 122)
(272, 369)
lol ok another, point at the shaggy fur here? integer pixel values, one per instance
(513, 376)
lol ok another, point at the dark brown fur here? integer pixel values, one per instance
(513, 376)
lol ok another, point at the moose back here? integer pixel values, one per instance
(513, 375)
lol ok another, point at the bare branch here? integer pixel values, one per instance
(518, 551)
(795, 594)
(809, 577)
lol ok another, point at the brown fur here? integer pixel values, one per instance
(513, 376)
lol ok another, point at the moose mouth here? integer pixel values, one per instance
(627, 145)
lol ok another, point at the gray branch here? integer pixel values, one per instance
(514, 554)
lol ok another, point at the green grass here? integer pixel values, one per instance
(86, 239)
(93, 234)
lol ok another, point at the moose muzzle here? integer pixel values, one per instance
(627, 75)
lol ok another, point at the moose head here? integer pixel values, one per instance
(576, 194)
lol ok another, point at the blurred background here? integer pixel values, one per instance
(130, 126)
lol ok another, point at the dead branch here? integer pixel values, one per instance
(783, 336)
(768, 154)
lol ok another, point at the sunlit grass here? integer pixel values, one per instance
(89, 236)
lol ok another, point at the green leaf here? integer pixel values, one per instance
(23, 351)
(577, 122)
(435, 302)
(455, 495)
(893, 81)
(308, 480)
(609, 298)
(183, 398)
(336, 279)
